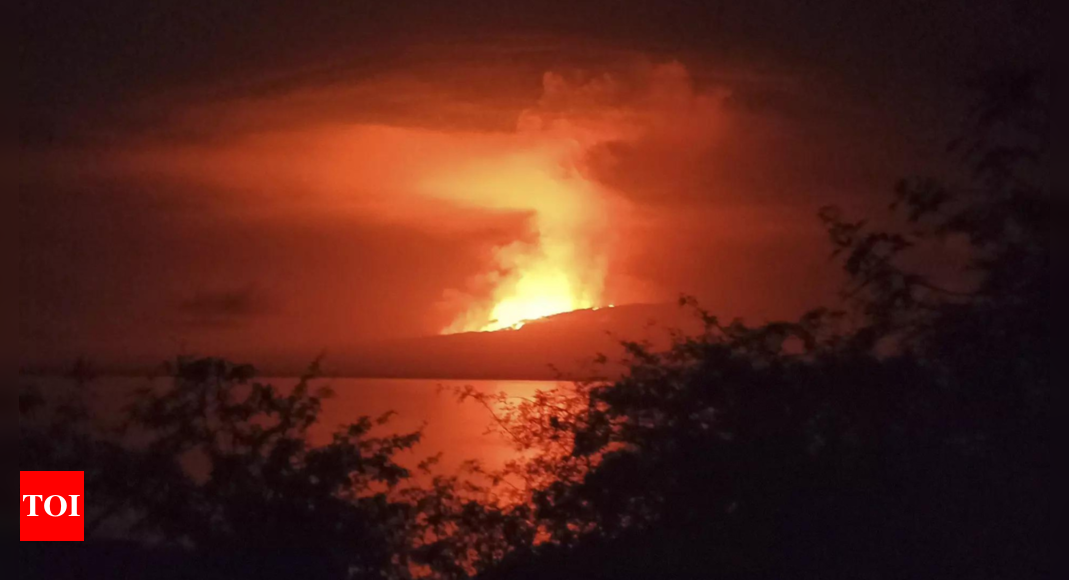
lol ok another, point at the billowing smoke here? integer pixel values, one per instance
(562, 265)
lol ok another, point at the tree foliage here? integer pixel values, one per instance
(223, 465)
(904, 436)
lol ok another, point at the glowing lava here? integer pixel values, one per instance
(538, 293)
(558, 263)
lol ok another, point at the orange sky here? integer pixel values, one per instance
(282, 223)
(303, 203)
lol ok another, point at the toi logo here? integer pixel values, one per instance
(53, 504)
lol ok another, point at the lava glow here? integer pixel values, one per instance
(559, 264)
(538, 293)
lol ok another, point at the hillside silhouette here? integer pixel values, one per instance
(549, 348)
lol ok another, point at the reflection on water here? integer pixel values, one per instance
(459, 431)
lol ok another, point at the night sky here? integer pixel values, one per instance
(258, 179)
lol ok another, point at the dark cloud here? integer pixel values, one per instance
(97, 56)
(224, 307)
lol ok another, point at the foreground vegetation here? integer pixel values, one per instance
(902, 435)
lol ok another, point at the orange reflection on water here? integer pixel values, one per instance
(459, 431)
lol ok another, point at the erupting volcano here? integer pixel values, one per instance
(560, 264)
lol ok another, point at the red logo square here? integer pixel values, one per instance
(53, 506)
